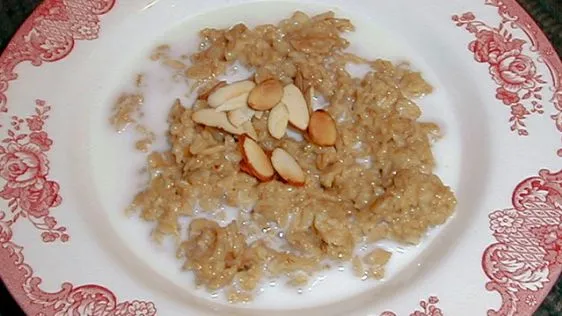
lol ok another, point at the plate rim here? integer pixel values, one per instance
(100, 7)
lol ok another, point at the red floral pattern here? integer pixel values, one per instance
(505, 221)
(526, 259)
(550, 239)
(528, 253)
(429, 308)
(48, 35)
(25, 167)
(519, 85)
(514, 71)
(507, 97)
(87, 299)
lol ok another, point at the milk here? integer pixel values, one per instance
(116, 164)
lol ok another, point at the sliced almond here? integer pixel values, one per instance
(207, 90)
(212, 118)
(238, 102)
(287, 167)
(299, 81)
(266, 95)
(240, 116)
(223, 94)
(259, 114)
(296, 104)
(249, 130)
(254, 160)
(322, 128)
(278, 120)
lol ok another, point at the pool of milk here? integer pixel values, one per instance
(117, 166)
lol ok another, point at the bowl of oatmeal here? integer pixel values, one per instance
(279, 157)
(309, 162)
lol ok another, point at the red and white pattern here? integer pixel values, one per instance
(527, 257)
(24, 166)
(429, 308)
(87, 299)
(519, 86)
(528, 253)
(48, 35)
(522, 264)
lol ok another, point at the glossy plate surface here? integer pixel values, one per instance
(67, 248)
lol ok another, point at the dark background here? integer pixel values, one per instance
(548, 14)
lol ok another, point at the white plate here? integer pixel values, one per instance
(67, 248)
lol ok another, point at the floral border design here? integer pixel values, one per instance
(519, 84)
(24, 166)
(89, 299)
(48, 35)
(520, 87)
(429, 308)
(527, 256)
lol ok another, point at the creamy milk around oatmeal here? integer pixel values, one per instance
(287, 156)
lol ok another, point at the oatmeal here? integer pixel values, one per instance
(361, 172)
(127, 111)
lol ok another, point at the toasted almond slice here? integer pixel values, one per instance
(299, 81)
(287, 167)
(296, 104)
(278, 120)
(212, 118)
(266, 95)
(238, 102)
(309, 97)
(322, 128)
(240, 116)
(249, 130)
(208, 117)
(259, 114)
(254, 160)
(230, 91)
(206, 90)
